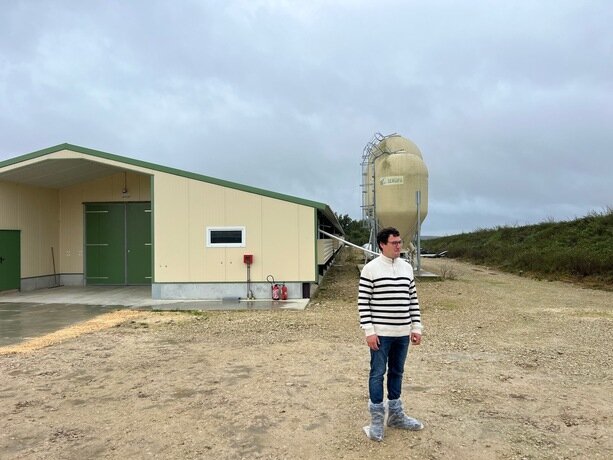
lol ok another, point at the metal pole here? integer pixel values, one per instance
(418, 200)
(374, 222)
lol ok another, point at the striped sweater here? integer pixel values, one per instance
(387, 299)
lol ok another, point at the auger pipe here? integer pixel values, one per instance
(348, 243)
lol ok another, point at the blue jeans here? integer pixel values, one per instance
(390, 356)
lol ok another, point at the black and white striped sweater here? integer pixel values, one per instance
(387, 299)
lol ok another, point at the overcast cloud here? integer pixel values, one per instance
(510, 102)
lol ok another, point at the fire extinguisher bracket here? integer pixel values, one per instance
(275, 292)
(274, 288)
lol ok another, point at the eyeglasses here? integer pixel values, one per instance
(395, 243)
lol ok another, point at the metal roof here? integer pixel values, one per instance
(60, 173)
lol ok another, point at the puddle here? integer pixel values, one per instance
(23, 321)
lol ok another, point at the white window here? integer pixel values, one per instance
(225, 237)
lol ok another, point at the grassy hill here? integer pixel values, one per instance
(578, 250)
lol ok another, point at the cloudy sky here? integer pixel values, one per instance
(510, 102)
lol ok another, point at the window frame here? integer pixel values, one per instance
(234, 228)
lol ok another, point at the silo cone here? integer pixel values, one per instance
(399, 173)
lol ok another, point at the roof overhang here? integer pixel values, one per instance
(65, 165)
(58, 173)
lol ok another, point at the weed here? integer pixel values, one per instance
(447, 272)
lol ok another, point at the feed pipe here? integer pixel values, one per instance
(350, 244)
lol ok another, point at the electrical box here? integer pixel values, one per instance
(248, 259)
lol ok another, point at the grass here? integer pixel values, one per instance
(580, 250)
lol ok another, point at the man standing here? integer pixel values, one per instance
(390, 317)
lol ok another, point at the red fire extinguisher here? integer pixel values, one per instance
(275, 292)
(283, 292)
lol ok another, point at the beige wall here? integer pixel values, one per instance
(280, 235)
(107, 189)
(34, 211)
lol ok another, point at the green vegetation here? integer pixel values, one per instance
(356, 231)
(578, 250)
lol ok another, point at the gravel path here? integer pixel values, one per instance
(510, 368)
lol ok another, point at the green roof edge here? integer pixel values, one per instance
(324, 208)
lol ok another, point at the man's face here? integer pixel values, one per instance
(392, 248)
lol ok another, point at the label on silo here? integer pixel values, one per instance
(392, 180)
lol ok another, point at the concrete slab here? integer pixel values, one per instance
(425, 275)
(138, 297)
(125, 296)
(22, 321)
(24, 315)
(294, 304)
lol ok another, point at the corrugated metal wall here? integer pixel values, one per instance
(34, 211)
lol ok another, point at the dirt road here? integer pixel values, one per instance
(510, 368)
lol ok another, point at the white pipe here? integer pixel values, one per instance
(348, 243)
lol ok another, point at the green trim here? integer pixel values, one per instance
(316, 229)
(153, 245)
(322, 207)
(84, 241)
(332, 218)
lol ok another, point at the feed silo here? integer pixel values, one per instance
(394, 188)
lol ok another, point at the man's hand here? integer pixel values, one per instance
(415, 338)
(373, 342)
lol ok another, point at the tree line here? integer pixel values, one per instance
(356, 231)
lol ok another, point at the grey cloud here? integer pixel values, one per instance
(509, 102)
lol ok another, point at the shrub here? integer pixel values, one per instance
(582, 248)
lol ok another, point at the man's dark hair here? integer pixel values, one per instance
(384, 234)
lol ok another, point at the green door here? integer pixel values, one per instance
(118, 243)
(10, 260)
(138, 237)
(105, 244)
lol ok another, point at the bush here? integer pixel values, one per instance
(582, 248)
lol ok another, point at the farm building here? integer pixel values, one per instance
(75, 216)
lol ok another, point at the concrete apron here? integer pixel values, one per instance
(24, 315)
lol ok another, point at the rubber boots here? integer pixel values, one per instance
(377, 416)
(398, 419)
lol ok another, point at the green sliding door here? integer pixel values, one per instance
(118, 243)
(138, 237)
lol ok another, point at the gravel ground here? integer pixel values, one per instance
(509, 368)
